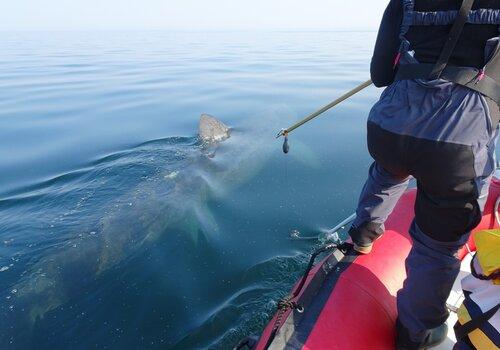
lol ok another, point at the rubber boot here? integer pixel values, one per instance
(435, 337)
(364, 236)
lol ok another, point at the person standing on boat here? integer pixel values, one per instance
(437, 122)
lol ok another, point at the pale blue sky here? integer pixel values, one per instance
(191, 14)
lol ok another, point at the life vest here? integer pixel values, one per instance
(479, 316)
(485, 80)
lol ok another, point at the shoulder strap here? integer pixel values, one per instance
(463, 330)
(453, 37)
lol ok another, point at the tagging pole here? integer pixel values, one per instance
(285, 132)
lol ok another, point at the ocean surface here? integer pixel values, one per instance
(119, 230)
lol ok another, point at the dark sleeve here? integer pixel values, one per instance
(387, 45)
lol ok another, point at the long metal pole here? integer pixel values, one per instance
(344, 97)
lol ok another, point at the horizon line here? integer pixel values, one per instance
(181, 30)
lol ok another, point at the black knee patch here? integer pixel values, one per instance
(446, 220)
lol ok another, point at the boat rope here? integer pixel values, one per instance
(290, 302)
(285, 132)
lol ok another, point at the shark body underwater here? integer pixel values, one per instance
(221, 160)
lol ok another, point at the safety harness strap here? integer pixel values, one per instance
(469, 77)
(463, 330)
(453, 37)
(444, 18)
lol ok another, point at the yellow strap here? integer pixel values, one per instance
(477, 337)
(481, 341)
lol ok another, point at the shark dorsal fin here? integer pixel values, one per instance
(212, 130)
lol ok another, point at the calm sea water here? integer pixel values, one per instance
(117, 231)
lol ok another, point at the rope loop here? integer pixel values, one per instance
(288, 303)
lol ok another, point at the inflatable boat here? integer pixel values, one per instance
(348, 301)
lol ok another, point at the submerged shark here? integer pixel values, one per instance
(175, 200)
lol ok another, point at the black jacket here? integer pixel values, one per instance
(428, 41)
